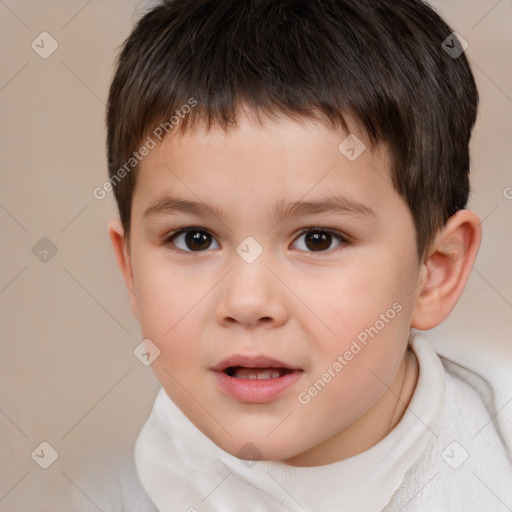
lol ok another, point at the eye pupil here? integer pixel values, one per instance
(197, 240)
(318, 240)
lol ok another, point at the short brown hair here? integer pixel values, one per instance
(381, 63)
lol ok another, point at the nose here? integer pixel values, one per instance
(252, 296)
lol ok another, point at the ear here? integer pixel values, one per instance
(443, 274)
(122, 252)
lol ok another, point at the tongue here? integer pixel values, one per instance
(259, 373)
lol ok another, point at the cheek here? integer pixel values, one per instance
(367, 314)
(353, 298)
(358, 368)
(166, 299)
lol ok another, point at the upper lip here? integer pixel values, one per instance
(258, 361)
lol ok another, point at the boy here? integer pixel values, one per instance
(243, 135)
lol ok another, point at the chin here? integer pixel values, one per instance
(252, 446)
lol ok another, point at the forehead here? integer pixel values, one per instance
(264, 164)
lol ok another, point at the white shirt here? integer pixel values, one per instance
(446, 453)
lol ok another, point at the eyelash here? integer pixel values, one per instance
(168, 241)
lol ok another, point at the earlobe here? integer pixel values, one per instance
(121, 251)
(444, 273)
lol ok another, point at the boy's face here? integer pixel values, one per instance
(305, 301)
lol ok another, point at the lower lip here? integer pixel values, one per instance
(256, 391)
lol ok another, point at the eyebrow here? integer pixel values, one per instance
(332, 204)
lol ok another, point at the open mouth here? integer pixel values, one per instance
(241, 372)
(255, 379)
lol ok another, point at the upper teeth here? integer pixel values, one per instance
(257, 373)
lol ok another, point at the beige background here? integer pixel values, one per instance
(68, 374)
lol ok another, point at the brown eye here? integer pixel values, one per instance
(191, 240)
(319, 240)
(197, 240)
